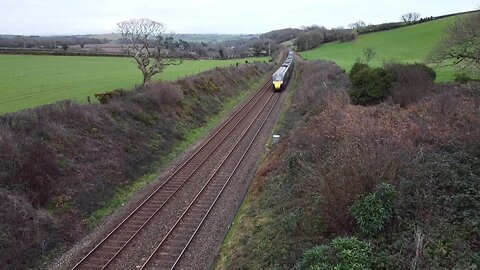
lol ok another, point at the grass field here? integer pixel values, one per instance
(27, 81)
(407, 44)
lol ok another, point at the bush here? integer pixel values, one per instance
(356, 68)
(426, 69)
(106, 97)
(372, 212)
(318, 257)
(370, 85)
(412, 82)
(342, 253)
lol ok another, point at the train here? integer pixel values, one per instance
(282, 75)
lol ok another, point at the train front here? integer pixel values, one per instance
(277, 80)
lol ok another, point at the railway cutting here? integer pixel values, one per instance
(182, 222)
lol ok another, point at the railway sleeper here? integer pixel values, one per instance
(131, 226)
(152, 207)
(119, 239)
(173, 246)
(199, 212)
(163, 263)
(184, 229)
(91, 266)
(144, 214)
(158, 201)
(109, 249)
(98, 260)
(138, 220)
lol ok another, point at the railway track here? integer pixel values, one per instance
(170, 250)
(203, 162)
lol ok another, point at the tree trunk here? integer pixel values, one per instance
(147, 79)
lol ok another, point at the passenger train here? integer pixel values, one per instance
(281, 76)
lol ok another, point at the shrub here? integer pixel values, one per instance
(426, 69)
(374, 210)
(318, 257)
(106, 97)
(358, 66)
(342, 253)
(412, 82)
(369, 85)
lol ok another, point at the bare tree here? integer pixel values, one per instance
(410, 17)
(144, 42)
(357, 25)
(461, 45)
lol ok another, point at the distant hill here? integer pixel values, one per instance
(207, 38)
(212, 38)
(411, 43)
(281, 35)
(112, 37)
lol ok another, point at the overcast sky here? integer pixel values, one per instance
(52, 17)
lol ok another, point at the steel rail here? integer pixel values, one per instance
(262, 91)
(208, 182)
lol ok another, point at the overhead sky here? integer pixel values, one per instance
(60, 17)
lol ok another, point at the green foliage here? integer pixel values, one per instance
(358, 66)
(343, 253)
(369, 85)
(318, 257)
(373, 211)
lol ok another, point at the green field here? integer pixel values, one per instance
(27, 81)
(406, 44)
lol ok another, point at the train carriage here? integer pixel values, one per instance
(282, 75)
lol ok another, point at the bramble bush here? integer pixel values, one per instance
(411, 82)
